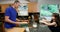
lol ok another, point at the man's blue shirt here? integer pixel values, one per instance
(12, 13)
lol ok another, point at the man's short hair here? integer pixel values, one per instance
(16, 1)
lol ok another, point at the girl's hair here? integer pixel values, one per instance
(56, 15)
(57, 18)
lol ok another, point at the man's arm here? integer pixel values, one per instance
(8, 20)
(50, 24)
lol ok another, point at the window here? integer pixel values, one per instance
(23, 10)
(46, 11)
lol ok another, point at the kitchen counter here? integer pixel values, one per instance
(40, 28)
(16, 29)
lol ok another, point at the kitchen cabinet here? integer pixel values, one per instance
(0, 8)
(32, 7)
(0, 26)
(3, 7)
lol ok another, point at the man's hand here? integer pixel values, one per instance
(24, 22)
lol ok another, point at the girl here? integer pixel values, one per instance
(54, 24)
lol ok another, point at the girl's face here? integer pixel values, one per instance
(53, 17)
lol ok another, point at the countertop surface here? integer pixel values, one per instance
(16, 29)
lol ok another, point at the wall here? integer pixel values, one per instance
(7, 2)
(40, 2)
(49, 2)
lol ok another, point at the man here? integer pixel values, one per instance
(10, 16)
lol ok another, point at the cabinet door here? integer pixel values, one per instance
(0, 8)
(32, 7)
(3, 7)
(0, 26)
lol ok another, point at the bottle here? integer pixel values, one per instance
(27, 29)
(34, 23)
